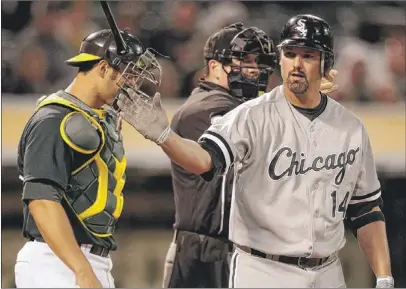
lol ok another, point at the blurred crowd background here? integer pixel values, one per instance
(38, 36)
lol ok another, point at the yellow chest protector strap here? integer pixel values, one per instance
(78, 118)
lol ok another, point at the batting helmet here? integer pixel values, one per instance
(312, 32)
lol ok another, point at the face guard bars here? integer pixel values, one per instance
(143, 76)
(252, 45)
(254, 42)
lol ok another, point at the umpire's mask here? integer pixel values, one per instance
(252, 61)
(252, 58)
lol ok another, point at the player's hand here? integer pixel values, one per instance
(147, 116)
(87, 281)
(385, 282)
(327, 83)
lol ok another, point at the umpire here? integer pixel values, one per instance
(238, 62)
(72, 164)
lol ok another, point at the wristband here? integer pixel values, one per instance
(385, 282)
(164, 135)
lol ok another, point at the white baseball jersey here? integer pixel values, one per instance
(294, 178)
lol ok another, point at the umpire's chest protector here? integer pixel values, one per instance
(95, 187)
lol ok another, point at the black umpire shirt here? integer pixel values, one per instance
(202, 207)
(46, 162)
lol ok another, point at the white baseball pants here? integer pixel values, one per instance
(248, 271)
(38, 267)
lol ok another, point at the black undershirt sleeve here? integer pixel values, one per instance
(359, 209)
(217, 159)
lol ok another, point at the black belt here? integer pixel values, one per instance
(99, 251)
(302, 262)
(94, 249)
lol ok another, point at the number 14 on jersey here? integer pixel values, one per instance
(343, 205)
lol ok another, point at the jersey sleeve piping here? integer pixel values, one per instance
(222, 144)
(366, 198)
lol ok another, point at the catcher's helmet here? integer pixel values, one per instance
(312, 32)
(136, 63)
(101, 45)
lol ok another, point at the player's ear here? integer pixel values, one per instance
(214, 67)
(212, 64)
(102, 68)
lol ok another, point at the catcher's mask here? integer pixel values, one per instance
(256, 57)
(139, 68)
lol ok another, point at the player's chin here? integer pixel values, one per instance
(298, 87)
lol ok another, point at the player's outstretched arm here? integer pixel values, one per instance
(187, 154)
(149, 118)
(373, 242)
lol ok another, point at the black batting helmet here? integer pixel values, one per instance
(312, 32)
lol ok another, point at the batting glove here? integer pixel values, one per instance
(146, 115)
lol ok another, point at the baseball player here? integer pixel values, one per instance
(72, 164)
(198, 255)
(302, 163)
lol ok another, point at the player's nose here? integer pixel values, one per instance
(297, 61)
(253, 71)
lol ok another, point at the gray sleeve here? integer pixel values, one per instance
(367, 188)
(234, 134)
(41, 190)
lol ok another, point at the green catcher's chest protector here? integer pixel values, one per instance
(95, 188)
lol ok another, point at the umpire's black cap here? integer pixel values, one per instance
(221, 40)
(237, 41)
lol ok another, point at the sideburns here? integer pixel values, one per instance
(114, 75)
